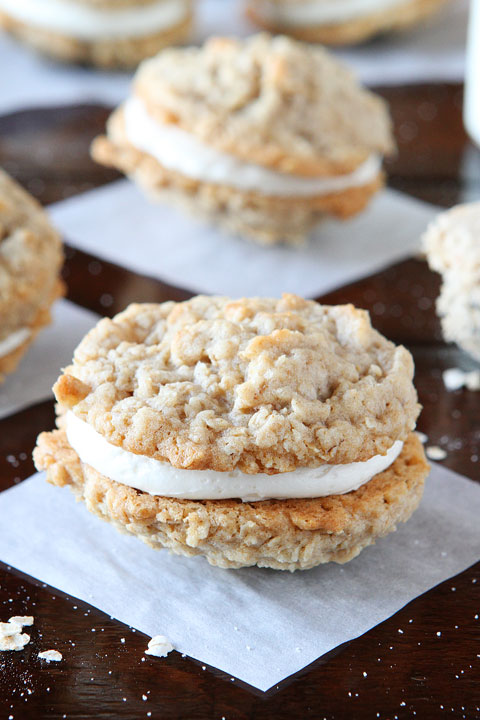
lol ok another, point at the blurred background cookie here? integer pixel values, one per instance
(452, 246)
(264, 136)
(339, 22)
(30, 262)
(107, 33)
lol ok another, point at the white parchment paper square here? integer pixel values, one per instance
(433, 51)
(287, 620)
(117, 223)
(40, 367)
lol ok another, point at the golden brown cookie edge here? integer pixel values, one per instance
(280, 534)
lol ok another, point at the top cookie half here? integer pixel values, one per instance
(268, 100)
(262, 385)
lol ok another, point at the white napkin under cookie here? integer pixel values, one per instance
(257, 625)
(117, 223)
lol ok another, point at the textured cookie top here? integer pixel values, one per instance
(452, 241)
(264, 385)
(30, 251)
(271, 101)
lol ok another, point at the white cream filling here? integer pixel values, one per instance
(13, 341)
(160, 478)
(82, 22)
(320, 11)
(178, 150)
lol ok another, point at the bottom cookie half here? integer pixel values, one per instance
(281, 534)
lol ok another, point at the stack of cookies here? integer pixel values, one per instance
(264, 136)
(339, 22)
(452, 246)
(107, 33)
(269, 432)
(30, 263)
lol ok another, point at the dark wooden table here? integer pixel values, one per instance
(414, 674)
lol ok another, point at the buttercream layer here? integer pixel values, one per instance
(162, 479)
(77, 20)
(178, 150)
(13, 341)
(320, 11)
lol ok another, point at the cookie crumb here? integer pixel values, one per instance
(421, 436)
(11, 636)
(159, 646)
(14, 642)
(51, 655)
(23, 620)
(9, 629)
(435, 453)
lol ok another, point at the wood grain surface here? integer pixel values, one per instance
(411, 674)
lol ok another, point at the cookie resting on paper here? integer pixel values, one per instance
(270, 432)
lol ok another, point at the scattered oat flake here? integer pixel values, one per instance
(23, 620)
(9, 629)
(159, 646)
(51, 655)
(14, 642)
(422, 437)
(436, 453)
(15, 625)
(11, 636)
(455, 378)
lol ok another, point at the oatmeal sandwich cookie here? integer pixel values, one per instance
(106, 33)
(452, 247)
(30, 263)
(267, 432)
(264, 136)
(339, 22)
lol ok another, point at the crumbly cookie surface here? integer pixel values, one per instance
(30, 259)
(354, 30)
(458, 306)
(263, 385)
(280, 534)
(451, 241)
(268, 100)
(452, 247)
